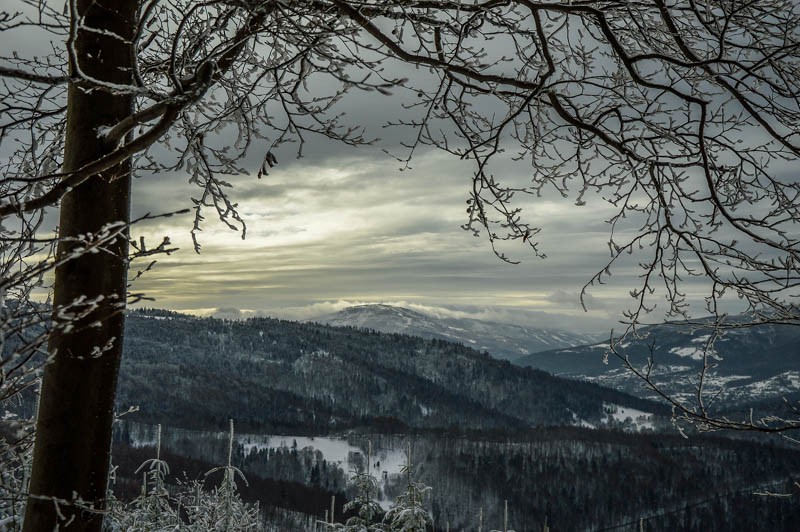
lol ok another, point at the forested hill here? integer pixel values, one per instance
(746, 365)
(280, 375)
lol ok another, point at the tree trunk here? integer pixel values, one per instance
(73, 430)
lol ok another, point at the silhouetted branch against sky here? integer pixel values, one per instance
(650, 140)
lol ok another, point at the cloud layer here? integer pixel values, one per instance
(354, 228)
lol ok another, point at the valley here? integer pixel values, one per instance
(307, 398)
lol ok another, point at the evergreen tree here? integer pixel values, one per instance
(367, 509)
(222, 509)
(152, 510)
(409, 513)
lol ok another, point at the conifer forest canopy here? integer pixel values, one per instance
(682, 115)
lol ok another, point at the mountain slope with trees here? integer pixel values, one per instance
(282, 375)
(650, 96)
(571, 478)
(744, 366)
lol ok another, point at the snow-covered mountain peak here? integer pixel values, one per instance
(502, 340)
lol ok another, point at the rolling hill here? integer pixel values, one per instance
(501, 340)
(746, 365)
(282, 375)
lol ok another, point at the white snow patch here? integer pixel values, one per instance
(638, 419)
(159, 318)
(386, 463)
(579, 422)
(787, 381)
(692, 352)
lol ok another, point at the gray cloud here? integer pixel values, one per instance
(343, 225)
(346, 225)
(355, 229)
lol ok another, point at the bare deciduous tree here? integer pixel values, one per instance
(683, 115)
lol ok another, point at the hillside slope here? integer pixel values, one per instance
(281, 375)
(501, 340)
(747, 365)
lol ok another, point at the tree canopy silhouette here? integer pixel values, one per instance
(682, 114)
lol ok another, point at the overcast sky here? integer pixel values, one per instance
(349, 227)
(345, 226)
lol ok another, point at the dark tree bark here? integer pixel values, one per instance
(73, 432)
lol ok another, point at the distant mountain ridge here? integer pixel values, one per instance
(501, 340)
(748, 364)
(282, 375)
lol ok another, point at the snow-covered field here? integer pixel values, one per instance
(386, 464)
(638, 419)
(335, 450)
